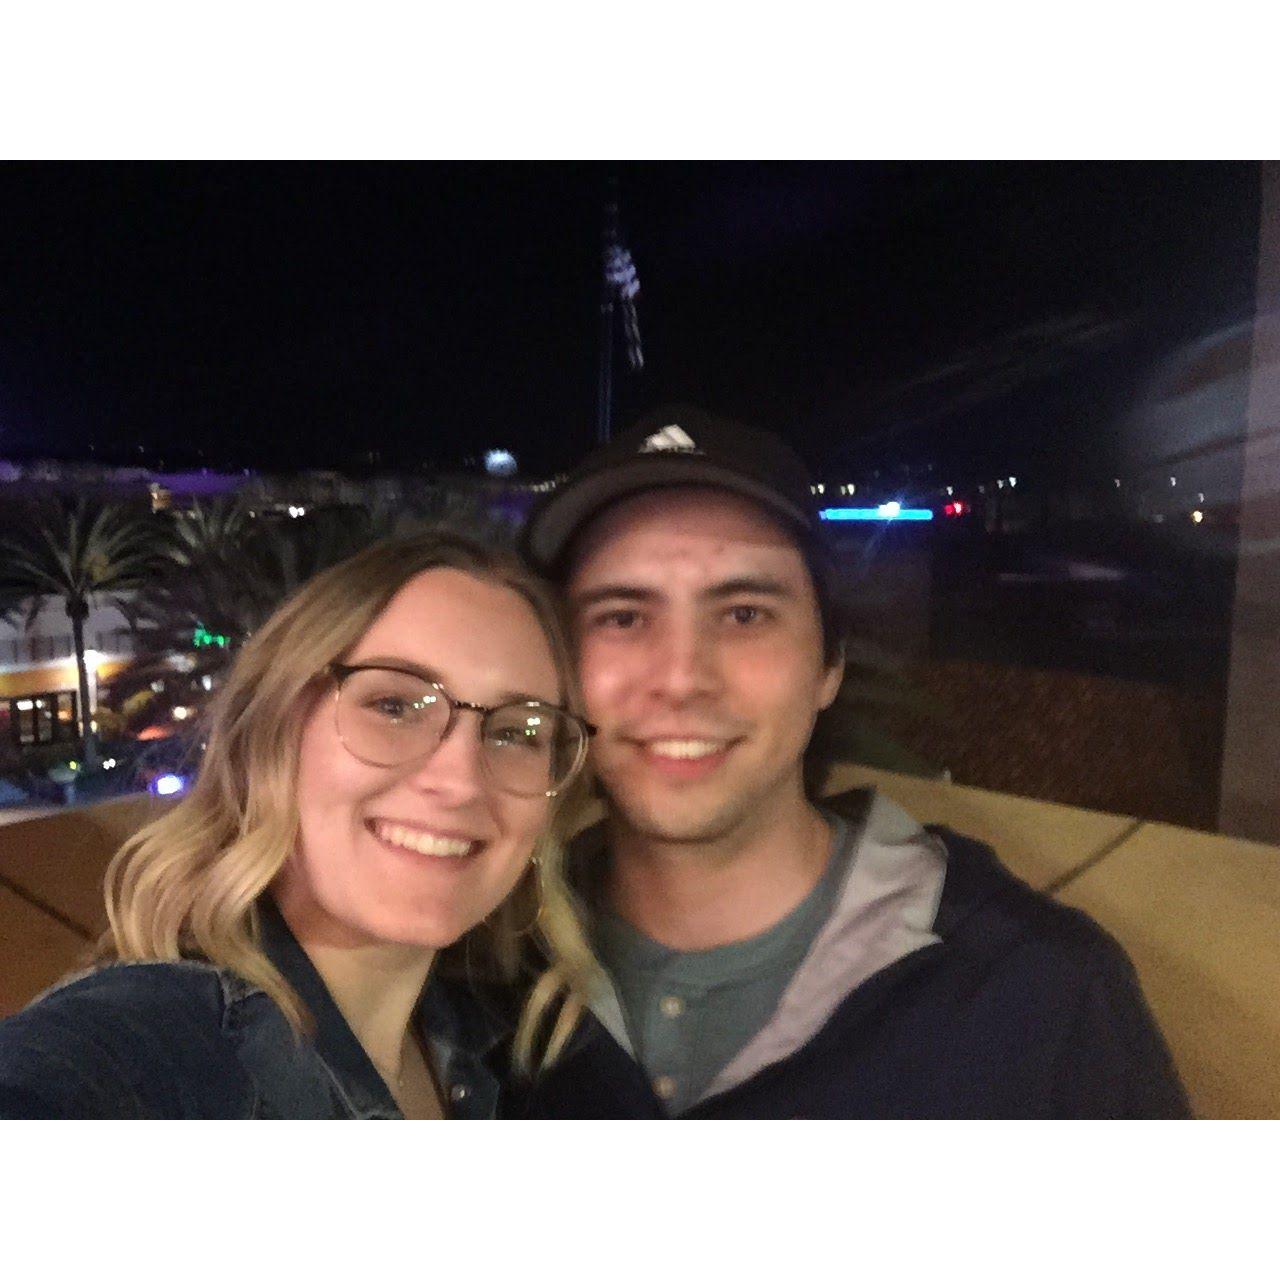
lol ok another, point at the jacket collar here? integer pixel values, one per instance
(465, 1030)
(350, 1068)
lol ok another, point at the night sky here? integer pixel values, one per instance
(286, 316)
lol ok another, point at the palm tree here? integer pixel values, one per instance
(202, 579)
(80, 550)
(224, 569)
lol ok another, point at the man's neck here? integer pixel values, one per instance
(691, 896)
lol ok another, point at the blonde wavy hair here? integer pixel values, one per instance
(187, 884)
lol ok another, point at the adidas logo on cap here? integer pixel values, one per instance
(672, 439)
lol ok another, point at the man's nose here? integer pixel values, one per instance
(686, 663)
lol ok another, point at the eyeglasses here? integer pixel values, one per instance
(387, 716)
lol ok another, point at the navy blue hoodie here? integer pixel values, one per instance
(947, 988)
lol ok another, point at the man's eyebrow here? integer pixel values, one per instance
(613, 591)
(742, 585)
(750, 585)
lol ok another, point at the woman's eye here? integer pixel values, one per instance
(527, 738)
(392, 708)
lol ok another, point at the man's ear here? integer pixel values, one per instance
(831, 682)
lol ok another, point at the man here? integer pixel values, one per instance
(766, 955)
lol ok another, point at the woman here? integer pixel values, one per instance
(380, 774)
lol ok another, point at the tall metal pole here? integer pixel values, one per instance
(604, 390)
(604, 406)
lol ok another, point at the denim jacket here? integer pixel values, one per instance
(188, 1040)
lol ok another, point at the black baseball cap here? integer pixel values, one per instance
(682, 445)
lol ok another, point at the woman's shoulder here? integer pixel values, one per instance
(129, 1039)
(135, 980)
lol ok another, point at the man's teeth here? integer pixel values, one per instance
(422, 841)
(685, 748)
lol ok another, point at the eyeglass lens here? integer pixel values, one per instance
(392, 717)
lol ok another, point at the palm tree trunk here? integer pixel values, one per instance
(77, 614)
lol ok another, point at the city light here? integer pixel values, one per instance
(886, 511)
(169, 784)
(181, 713)
(500, 462)
(202, 638)
(1197, 516)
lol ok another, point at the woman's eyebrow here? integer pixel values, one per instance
(404, 665)
(407, 667)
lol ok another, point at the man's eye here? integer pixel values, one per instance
(746, 614)
(617, 620)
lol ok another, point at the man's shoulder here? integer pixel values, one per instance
(986, 907)
(986, 914)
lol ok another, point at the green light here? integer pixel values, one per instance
(202, 638)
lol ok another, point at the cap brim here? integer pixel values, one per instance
(552, 527)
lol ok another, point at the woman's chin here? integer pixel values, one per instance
(433, 931)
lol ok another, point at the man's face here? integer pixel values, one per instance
(700, 653)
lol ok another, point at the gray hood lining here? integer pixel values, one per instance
(885, 911)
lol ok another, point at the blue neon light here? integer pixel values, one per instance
(876, 513)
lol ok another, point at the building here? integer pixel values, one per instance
(39, 685)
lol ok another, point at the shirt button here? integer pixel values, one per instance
(665, 1087)
(459, 1093)
(671, 1006)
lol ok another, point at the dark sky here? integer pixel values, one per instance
(299, 315)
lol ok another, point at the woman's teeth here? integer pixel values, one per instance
(422, 841)
(685, 748)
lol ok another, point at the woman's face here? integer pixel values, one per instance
(420, 853)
